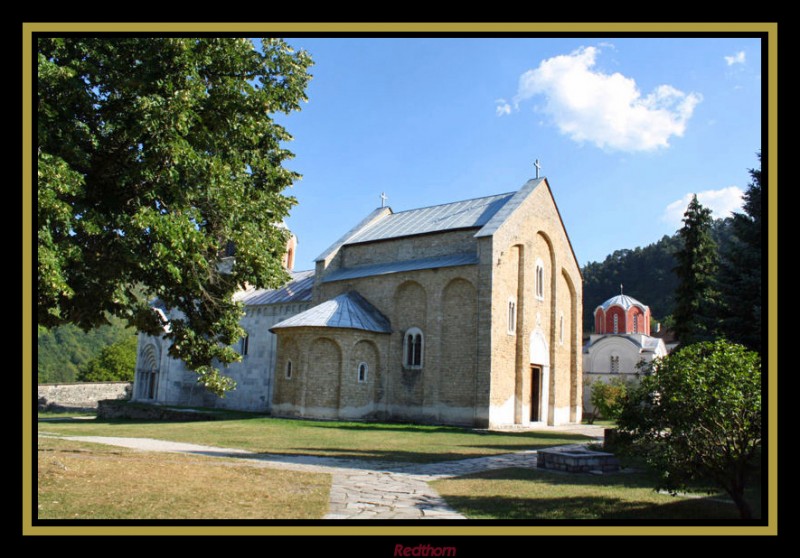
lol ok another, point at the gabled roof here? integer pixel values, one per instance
(467, 214)
(298, 289)
(348, 311)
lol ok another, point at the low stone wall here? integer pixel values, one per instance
(576, 459)
(116, 409)
(83, 396)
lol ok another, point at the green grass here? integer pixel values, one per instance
(92, 481)
(535, 494)
(376, 441)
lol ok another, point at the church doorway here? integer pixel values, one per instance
(536, 392)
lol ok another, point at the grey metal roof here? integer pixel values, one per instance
(507, 209)
(453, 260)
(364, 223)
(465, 214)
(349, 310)
(624, 301)
(298, 289)
(641, 341)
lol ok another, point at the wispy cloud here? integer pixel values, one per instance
(721, 202)
(737, 58)
(606, 110)
(502, 107)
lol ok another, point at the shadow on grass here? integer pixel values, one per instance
(589, 508)
(584, 496)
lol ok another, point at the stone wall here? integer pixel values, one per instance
(83, 396)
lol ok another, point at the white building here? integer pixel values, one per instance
(621, 341)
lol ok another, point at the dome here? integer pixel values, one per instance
(623, 301)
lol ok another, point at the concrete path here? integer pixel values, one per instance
(360, 489)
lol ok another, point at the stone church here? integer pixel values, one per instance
(466, 313)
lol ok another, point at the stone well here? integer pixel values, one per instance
(577, 459)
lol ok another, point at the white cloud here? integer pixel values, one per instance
(502, 107)
(721, 202)
(606, 110)
(737, 58)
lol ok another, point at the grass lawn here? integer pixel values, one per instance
(391, 442)
(536, 494)
(92, 481)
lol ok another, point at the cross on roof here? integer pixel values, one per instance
(384, 197)
(538, 166)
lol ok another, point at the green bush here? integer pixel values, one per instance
(609, 397)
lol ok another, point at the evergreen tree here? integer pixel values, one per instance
(696, 298)
(740, 271)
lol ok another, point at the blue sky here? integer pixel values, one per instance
(626, 129)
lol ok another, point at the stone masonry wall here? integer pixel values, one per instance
(534, 234)
(82, 396)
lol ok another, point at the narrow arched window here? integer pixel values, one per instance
(539, 279)
(636, 323)
(512, 316)
(413, 348)
(615, 365)
(616, 323)
(288, 369)
(362, 372)
(245, 345)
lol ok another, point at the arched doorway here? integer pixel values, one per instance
(539, 377)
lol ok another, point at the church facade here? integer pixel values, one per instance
(465, 313)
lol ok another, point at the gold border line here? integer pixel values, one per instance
(768, 28)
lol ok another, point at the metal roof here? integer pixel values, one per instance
(465, 214)
(453, 260)
(349, 310)
(298, 289)
(623, 301)
(642, 342)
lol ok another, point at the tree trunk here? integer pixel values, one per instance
(744, 508)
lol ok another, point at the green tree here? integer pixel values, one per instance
(608, 397)
(696, 297)
(154, 154)
(115, 363)
(696, 417)
(740, 271)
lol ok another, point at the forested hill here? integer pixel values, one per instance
(67, 353)
(646, 274)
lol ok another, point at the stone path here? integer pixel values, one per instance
(361, 489)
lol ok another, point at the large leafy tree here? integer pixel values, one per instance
(696, 297)
(153, 155)
(740, 271)
(696, 418)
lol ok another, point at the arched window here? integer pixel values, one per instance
(413, 347)
(362, 372)
(539, 279)
(616, 323)
(615, 365)
(512, 316)
(288, 369)
(245, 345)
(636, 323)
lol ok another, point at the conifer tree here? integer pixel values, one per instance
(696, 298)
(740, 271)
